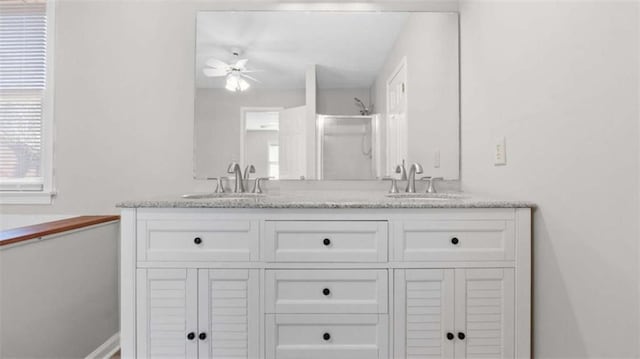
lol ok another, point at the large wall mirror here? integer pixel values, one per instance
(326, 95)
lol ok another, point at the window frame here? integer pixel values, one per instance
(44, 196)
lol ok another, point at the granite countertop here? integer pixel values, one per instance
(328, 199)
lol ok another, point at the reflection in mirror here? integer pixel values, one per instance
(326, 95)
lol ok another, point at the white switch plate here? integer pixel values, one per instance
(436, 159)
(500, 152)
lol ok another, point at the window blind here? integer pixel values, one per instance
(23, 62)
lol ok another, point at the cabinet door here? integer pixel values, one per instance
(228, 313)
(167, 313)
(424, 313)
(484, 313)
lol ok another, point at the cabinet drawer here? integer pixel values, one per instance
(197, 240)
(455, 240)
(325, 241)
(326, 291)
(361, 336)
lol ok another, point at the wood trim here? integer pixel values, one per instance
(22, 234)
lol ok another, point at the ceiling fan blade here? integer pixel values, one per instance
(249, 77)
(211, 72)
(240, 64)
(250, 71)
(215, 63)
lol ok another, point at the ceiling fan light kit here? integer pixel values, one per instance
(235, 73)
(235, 83)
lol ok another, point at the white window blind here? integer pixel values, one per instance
(23, 68)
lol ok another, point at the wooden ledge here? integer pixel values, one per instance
(16, 235)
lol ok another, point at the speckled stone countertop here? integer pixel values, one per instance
(328, 199)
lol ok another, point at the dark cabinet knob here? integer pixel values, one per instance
(202, 336)
(450, 336)
(455, 240)
(326, 291)
(191, 336)
(197, 240)
(326, 336)
(326, 242)
(461, 335)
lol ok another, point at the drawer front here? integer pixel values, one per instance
(197, 240)
(291, 336)
(455, 240)
(326, 291)
(325, 241)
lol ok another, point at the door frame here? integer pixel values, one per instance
(243, 110)
(401, 64)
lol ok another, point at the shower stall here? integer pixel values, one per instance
(348, 147)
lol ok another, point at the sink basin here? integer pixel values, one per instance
(427, 196)
(222, 195)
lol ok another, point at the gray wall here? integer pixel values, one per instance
(59, 296)
(340, 101)
(560, 80)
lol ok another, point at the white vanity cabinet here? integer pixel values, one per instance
(290, 283)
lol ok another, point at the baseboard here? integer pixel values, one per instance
(107, 349)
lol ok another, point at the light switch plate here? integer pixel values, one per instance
(500, 152)
(436, 159)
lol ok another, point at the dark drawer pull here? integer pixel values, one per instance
(197, 240)
(450, 336)
(326, 242)
(326, 336)
(191, 336)
(326, 291)
(455, 241)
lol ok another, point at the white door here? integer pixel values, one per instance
(167, 313)
(228, 313)
(424, 313)
(485, 313)
(397, 128)
(293, 148)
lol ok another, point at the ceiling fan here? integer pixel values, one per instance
(236, 74)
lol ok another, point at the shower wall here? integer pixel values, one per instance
(347, 148)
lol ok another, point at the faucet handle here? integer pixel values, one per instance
(394, 184)
(217, 182)
(220, 187)
(431, 188)
(256, 185)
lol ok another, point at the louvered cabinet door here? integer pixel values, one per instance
(485, 313)
(424, 313)
(228, 313)
(167, 313)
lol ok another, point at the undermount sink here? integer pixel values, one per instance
(427, 196)
(222, 195)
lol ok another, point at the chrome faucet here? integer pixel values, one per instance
(234, 168)
(415, 168)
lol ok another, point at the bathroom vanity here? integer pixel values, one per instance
(326, 276)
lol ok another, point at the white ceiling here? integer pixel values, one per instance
(349, 48)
